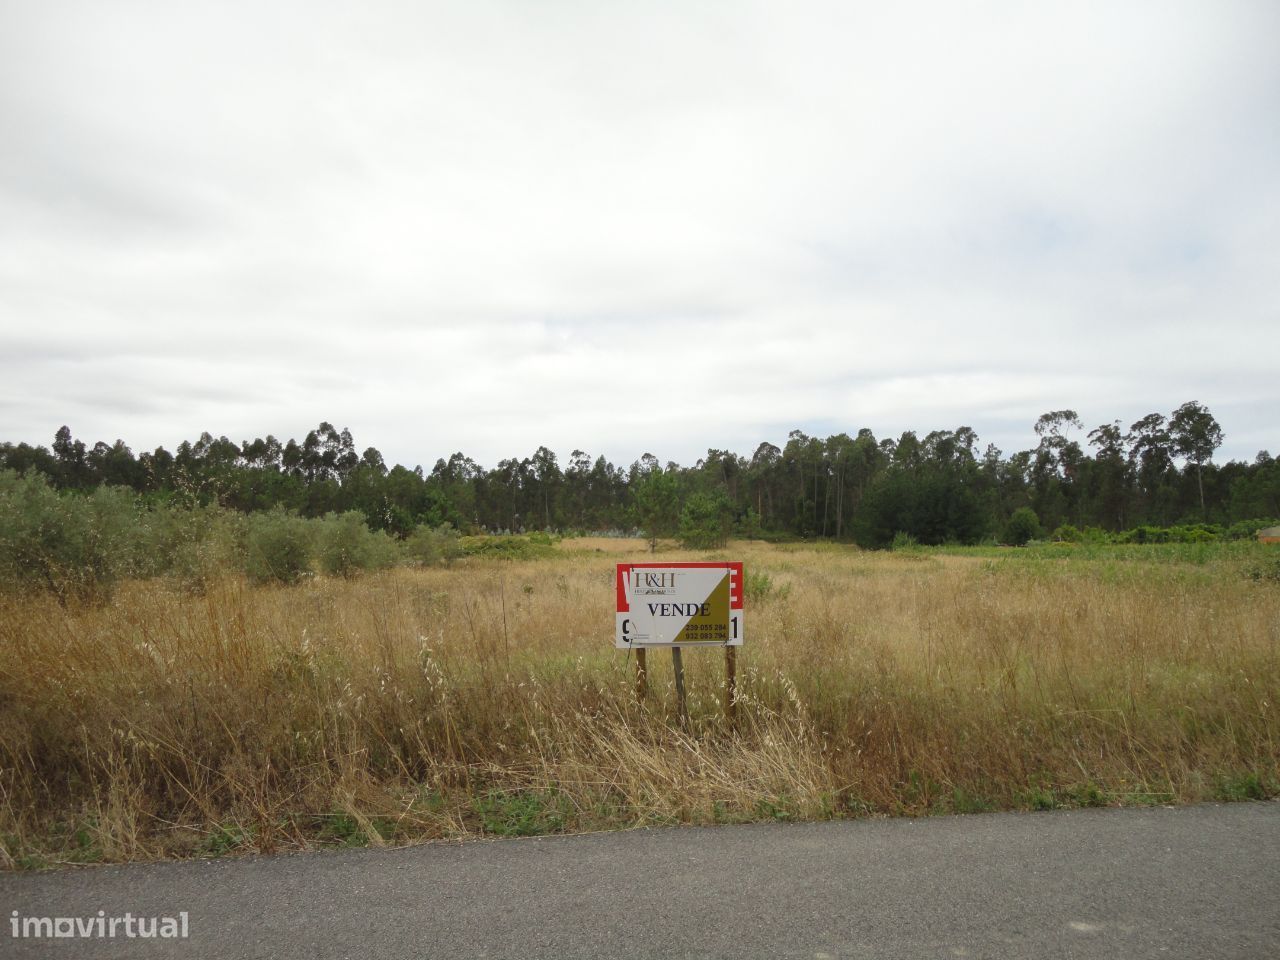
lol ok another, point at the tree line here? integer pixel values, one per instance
(940, 487)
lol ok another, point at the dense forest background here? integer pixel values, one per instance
(937, 488)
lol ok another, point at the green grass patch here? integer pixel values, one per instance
(966, 801)
(83, 845)
(347, 831)
(1083, 795)
(522, 813)
(780, 809)
(1235, 788)
(225, 838)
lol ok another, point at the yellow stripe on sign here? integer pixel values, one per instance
(713, 627)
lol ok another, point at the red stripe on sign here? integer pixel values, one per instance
(685, 564)
(735, 586)
(623, 570)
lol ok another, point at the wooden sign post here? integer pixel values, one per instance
(682, 703)
(731, 686)
(642, 676)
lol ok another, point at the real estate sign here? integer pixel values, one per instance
(679, 605)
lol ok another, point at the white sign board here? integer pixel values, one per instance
(679, 605)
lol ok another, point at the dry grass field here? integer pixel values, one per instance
(486, 698)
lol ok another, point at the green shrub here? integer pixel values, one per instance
(277, 548)
(505, 548)
(705, 521)
(346, 545)
(431, 545)
(904, 541)
(192, 545)
(1144, 534)
(1023, 526)
(37, 535)
(70, 544)
(1265, 569)
(1187, 533)
(758, 586)
(1201, 533)
(1247, 529)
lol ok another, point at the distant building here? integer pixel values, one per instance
(1269, 535)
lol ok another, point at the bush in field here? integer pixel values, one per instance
(116, 522)
(1069, 533)
(758, 587)
(1188, 533)
(431, 545)
(1144, 535)
(1247, 529)
(1266, 568)
(1023, 526)
(277, 547)
(80, 545)
(346, 545)
(210, 544)
(705, 521)
(67, 543)
(1199, 533)
(37, 538)
(193, 545)
(508, 547)
(904, 541)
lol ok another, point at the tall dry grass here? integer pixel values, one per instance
(487, 698)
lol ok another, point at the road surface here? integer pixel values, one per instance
(1199, 881)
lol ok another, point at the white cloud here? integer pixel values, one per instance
(491, 226)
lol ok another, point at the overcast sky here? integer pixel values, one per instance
(631, 227)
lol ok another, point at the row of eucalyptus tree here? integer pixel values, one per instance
(943, 486)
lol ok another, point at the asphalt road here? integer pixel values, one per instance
(1198, 882)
